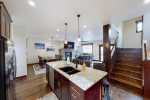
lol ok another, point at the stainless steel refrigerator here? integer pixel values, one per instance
(7, 69)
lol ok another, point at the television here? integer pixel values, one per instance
(69, 45)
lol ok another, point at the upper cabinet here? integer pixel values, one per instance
(5, 21)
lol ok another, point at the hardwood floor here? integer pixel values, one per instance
(33, 87)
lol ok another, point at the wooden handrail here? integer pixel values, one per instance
(145, 51)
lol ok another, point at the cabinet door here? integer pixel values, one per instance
(7, 28)
(3, 23)
(74, 96)
(65, 89)
(57, 85)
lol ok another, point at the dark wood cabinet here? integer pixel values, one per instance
(61, 86)
(75, 93)
(66, 90)
(5, 21)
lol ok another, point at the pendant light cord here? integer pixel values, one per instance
(78, 26)
(66, 31)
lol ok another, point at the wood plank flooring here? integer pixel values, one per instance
(33, 87)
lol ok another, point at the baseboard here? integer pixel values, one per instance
(32, 64)
(21, 77)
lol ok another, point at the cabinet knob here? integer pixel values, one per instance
(73, 95)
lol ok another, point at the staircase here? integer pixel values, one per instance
(127, 71)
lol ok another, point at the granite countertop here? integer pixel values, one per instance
(83, 79)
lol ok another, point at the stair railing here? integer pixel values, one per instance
(145, 51)
(113, 53)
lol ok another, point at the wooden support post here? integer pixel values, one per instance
(106, 44)
(146, 79)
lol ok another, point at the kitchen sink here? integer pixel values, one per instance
(69, 70)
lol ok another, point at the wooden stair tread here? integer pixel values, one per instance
(132, 71)
(128, 65)
(127, 76)
(127, 82)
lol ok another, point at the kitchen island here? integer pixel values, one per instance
(81, 85)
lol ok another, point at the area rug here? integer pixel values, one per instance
(50, 96)
(38, 70)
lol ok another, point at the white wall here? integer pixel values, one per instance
(32, 53)
(131, 39)
(19, 38)
(119, 28)
(146, 29)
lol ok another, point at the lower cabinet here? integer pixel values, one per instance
(66, 90)
(61, 86)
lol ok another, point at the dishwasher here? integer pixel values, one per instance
(51, 77)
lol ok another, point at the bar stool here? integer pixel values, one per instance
(105, 83)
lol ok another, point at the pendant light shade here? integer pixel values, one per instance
(66, 33)
(79, 38)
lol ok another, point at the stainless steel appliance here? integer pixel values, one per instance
(7, 69)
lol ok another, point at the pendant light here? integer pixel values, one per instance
(66, 33)
(79, 38)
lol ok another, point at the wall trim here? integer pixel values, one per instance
(32, 64)
(21, 77)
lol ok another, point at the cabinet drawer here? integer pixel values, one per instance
(74, 96)
(76, 90)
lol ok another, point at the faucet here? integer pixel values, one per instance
(76, 61)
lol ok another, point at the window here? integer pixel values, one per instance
(101, 52)
(139, 26)
(87, 48)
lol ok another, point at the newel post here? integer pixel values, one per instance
(106, 44)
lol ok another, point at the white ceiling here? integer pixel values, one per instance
(49, 15)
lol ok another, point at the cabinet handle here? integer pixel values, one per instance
(73, 95)
(58, 83)
(75, 90)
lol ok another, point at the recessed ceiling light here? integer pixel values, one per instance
(57, 30)
(147, 1)
(31, 3)
(84, 26)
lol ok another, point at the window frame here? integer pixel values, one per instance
(87, 44)
(111, 45)
(137, 22)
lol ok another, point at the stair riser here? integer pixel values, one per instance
(129, 58)
(127, 78)
(130, 52)
(129, 62)
(129, 68)
(136, 75)
(131, 55)
(128, 87)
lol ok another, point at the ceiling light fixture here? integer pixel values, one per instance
(147, 1)
(84, 26)
(31, 3)
(79, 39)
(57, 30)
(66, 33)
